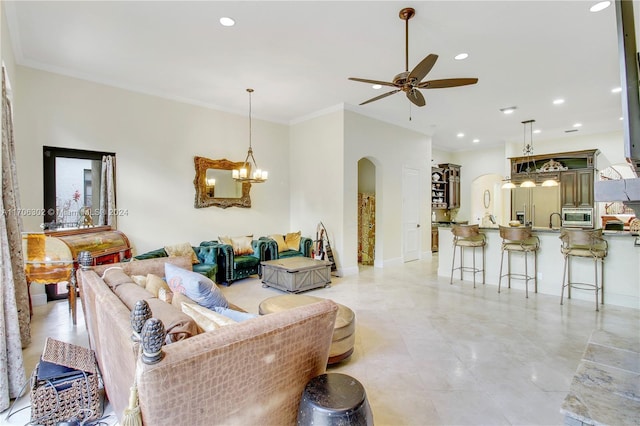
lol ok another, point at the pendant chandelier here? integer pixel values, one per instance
(250, 172)
(530, 168)
(527, 151)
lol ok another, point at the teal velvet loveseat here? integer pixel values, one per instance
(206, 256)
(232, 266)
(281, 250)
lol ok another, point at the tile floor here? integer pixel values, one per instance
(430, 353)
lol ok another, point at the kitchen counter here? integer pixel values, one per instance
(621, 266)
(606, 387)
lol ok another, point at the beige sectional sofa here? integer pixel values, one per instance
(251, 372)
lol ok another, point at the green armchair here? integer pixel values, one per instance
(232, 267)
(206, 255)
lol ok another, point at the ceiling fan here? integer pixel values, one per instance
(410, 82)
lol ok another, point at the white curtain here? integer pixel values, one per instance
(15, 330)
(108, 214)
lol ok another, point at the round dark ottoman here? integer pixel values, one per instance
(344, 332)
(334, 399)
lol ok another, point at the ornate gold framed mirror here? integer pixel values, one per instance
(215, 185)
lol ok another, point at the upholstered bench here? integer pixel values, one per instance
(344, 333)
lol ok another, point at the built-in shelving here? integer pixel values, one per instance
(439, 188)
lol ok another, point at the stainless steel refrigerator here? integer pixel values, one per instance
(535, 205)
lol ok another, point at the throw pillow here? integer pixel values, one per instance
(293, 240)
(225, 240)
(206, 319)
(237, 316)
(115, 276)
(165, 295)
(179, 325)
(195, 286)
(242, 245)
(177, 299)
(129, 294)
(155, 283)
(282, 245)
(141, 280)
(183, 249)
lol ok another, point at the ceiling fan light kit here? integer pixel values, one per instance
(410, 82)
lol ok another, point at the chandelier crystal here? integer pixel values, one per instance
(249, 171)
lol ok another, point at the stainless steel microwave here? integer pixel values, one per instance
(579, 217)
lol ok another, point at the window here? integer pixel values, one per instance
(69, 178)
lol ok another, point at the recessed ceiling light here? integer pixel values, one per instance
(227, 22)
(476, 140)
(508, 110)
(577, 125)
(600, 6)
(616, 90)
(461, 56)
(460, 135)
(537, 131)
(558, 101)
(376, 86)
(621, 118)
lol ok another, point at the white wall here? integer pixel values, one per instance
(316, 149)
(390, 148)
(474, 164)
(155, 141)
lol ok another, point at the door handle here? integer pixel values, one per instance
(533, 215)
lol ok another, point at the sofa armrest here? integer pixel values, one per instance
(207, 254)
(305, 246)
(268, 248)
(212, 368)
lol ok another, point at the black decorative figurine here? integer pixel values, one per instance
(153, 334)
(85, 260)
(139, 315)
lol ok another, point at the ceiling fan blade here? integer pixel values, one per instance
(364, 80)
(384, 95)
(416, 97)
(447, 82)
(423, 68)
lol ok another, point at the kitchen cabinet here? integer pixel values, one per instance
(452, 176)
(434, 239)
(576, 188)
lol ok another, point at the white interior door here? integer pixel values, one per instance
(411, 214)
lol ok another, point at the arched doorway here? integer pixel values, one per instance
(487, 201)
(366, 211)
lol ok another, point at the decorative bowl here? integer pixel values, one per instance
(514, 223)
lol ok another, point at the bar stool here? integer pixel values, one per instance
(468, 236)
(586, 243)
(519, 239)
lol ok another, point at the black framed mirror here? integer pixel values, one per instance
(71, 182)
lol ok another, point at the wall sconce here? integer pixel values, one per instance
(211, 187)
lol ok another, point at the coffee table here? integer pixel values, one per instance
(296, 274)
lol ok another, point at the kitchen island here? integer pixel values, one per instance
(621, 266)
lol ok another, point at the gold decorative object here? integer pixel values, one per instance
(204, 193)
